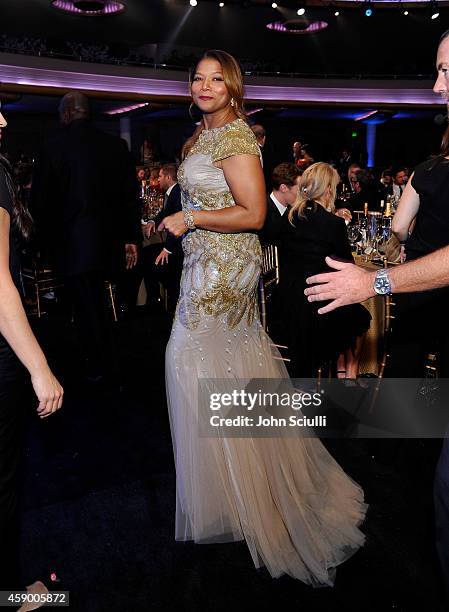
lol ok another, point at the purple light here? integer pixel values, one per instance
(126, 109)
(293, 26)
(366, 115)
(109, 7)
(307, 92)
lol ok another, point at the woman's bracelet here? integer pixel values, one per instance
(189, 220)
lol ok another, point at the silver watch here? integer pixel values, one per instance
(382, 283)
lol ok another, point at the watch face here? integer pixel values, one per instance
(382, 285)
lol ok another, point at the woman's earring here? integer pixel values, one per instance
(232, 102)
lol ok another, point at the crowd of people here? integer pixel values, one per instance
(230, 193)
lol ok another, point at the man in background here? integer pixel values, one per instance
(163, 261)
(87, 214)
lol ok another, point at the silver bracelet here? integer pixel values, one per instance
(189, 220)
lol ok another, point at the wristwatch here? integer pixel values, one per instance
(382, 283)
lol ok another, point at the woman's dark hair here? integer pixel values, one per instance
(21, 218)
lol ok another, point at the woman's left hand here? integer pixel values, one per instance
(174, 224)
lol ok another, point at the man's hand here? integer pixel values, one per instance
(148, 229)
(174, 224)
(344, 213)
(350, 285)
(162, 258)
(131, 255)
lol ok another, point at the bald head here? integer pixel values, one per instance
(74, 105)
(259, 133)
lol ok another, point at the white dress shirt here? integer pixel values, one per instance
(281, 208)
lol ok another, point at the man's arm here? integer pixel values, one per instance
(351, 284)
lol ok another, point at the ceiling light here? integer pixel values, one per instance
(336, 13)
(368, 12)
(221, 5)
(435, 15)
(89, 7)
(193, 2)
(301, 11)
(405, 12)
(274, 5)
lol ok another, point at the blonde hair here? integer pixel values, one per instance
(233, 79)
(313, 184)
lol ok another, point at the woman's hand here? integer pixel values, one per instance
(174, 224)
(48, 390)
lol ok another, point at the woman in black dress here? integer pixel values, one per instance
(310, 233)
(420, 324)
(19, 352)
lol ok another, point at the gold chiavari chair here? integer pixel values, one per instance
(38, 279)
(269, 278)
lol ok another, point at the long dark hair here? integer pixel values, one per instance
(21, 218)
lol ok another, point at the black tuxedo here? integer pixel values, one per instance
(86, 209)
(268, 236)
(168, 274)
(84, 200)
(172, 206)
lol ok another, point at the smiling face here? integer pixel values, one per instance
(442, 83)
(209, 91)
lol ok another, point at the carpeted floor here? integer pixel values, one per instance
(98, 506)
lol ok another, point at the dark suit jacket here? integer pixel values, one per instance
(270, 234)
(84, 200)
(172, 206)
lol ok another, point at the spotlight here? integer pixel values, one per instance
(221, 5)
(193, 2)
(337, 13)
(274, 5)
(368, 12)
(301, 11)
(435, 15)
(405, 13)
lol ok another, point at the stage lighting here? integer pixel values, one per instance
(405, 12)
(274, 5)
(221, 5)
(301, 11)
(193, 2)
(435, 15)
(368, 12)
(337, 13)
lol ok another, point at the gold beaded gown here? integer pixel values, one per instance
(287, 497)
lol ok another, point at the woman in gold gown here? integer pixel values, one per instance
(286, 496)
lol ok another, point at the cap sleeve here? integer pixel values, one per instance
(5, 196)
(236, 141)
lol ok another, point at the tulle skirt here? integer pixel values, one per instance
(286, 496)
